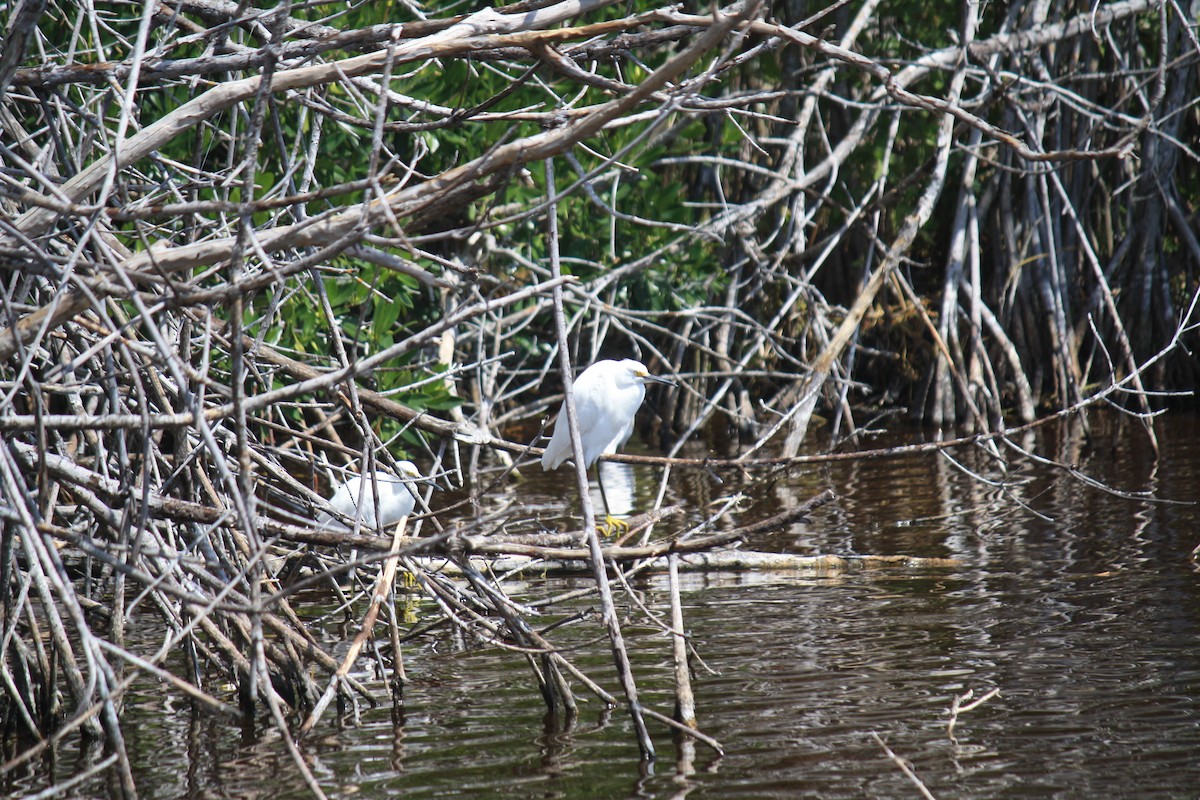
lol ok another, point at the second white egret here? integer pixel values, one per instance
(607, 396)
(397, 498)
(356, 499)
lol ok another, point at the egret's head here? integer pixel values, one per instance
(408, 473)
(640, 373)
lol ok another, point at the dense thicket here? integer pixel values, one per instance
(242, 247)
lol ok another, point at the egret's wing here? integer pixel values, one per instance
(342, 502)
(589, 410)
(609, 412)
(590, 404)
(559, 448)
(346, 500)
(560, 442)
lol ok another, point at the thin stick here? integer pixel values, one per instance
(378, 596)
(685, 701)
(905, 768)
(960, 705)
(608, 610)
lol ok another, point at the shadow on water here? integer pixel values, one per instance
(1079, 606)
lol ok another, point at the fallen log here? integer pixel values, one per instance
(717, 561)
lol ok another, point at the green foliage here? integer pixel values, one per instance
(374, 308)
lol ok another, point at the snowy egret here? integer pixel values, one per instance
(356, 499)
(607, 395)
(396, 498)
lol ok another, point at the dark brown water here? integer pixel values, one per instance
(1082, 608)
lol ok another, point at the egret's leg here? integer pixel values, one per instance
(611, 524)
(407, 579)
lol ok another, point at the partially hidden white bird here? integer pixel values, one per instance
(607, 396)
(397, 498)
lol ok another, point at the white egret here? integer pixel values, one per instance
(356, 499)
(607, 396)
(396, 498)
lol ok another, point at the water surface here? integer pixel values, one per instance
(1081, 607)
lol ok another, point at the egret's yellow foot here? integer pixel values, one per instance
(408, 580)
(612, 527)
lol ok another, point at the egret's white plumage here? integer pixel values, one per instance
(397, 498)
(607, 396)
